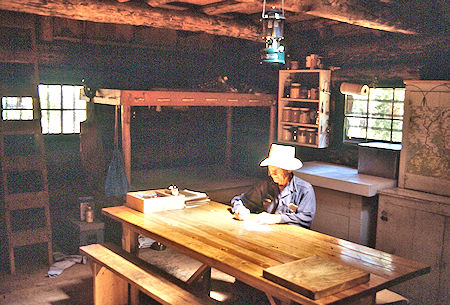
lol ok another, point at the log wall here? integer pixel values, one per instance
(139, 57)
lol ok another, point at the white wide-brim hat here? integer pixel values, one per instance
(282, 156)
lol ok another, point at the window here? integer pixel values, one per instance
(17, 108)
(378, 116)
(62, 109)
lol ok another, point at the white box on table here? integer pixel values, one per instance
(154, 201)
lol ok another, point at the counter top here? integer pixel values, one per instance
(343, 178)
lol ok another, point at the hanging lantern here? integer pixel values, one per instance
(273, 24)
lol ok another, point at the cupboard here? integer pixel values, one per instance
(415, 225)
(303, 107)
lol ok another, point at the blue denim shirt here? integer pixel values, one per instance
(297, 192)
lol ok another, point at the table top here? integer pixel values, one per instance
(210, 234)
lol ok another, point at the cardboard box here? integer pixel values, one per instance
(379, 159)
(154, 201)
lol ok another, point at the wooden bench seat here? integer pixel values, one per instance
(114, 270)
(387, 297)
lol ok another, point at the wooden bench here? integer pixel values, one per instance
(387, 297)
(114, 270)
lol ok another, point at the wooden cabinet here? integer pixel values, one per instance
(416, 225)
(303, 107)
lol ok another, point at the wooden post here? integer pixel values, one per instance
(229, 137)
(126, 140)
(129, 244)
(273, 122)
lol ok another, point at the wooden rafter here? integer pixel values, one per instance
(135, 14)
(210, 18)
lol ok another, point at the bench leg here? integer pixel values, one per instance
(109, 289)
(201, 280)
(134, 295)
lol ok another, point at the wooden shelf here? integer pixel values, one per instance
(195, 98)
(300, 124)
(317, 109)
(171, 98)
(288, 99)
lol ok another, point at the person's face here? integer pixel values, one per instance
(279, 176)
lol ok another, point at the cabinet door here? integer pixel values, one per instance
(424, 155)
(414, 234)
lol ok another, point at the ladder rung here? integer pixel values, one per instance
(30, 237)
(21, 201)
(23, 163)
(20, 127)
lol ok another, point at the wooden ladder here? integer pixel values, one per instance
(24, 183)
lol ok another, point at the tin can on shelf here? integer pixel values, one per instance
(295, 90)
(311, 135)
(286, 115)
(286, 133)
(301, 135)
(303, 92)
(304, 115)
(89, 214)
(294, 65)
(295, 115)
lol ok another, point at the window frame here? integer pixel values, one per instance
(367, 116)
(61, 109)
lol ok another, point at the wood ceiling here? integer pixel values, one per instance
(241, 18)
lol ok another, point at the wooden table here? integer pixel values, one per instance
(209, 234)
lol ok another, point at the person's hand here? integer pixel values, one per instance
(268, 219)
(242, 213)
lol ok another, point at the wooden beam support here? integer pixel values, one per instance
(135, 14)
(379, 16)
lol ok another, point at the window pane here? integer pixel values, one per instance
(397, 131)
(68, 121)
(71, 98)
(380, 109)
(50, 96)
(356, 105)
(51, 121)
(399, 94)
(44, 121)
(381, 94)
(399, 97)
(80, 104)
(379, 129)
(17, 103)
(380, 102)
(355, 128)
(17, 114)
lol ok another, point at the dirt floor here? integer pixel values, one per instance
(74, 286)
(30, 285)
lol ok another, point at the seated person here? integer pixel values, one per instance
(282, 197)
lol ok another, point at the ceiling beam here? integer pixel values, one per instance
(374, 14)
(135, 14)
